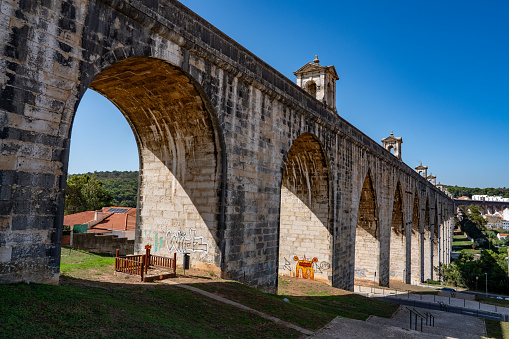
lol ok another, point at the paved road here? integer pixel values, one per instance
(435, 302)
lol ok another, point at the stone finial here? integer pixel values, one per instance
(316, 61)
(392, 142)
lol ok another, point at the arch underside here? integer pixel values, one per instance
(178, 203)
(398, 241)
(367, 234)
(304, 233)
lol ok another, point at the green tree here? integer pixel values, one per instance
(464, 270)
(475, 216)
(85, 193)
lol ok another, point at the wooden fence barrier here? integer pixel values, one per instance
(130, 266)
(139, 264)
(165, 262)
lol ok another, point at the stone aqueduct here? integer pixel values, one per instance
(488, 207)
(239, 166)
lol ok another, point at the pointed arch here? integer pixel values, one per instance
(367, 233)
(181, 152)
(305, 231)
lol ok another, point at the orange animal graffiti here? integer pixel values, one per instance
(306, 267)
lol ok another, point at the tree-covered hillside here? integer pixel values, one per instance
(458, 191)
(123, 185)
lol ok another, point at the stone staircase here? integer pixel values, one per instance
(445, 324)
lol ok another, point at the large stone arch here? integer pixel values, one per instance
(305, 230)
(367, 233)
(398, 240)
(180, 146)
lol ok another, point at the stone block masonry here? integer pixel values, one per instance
(239, 166)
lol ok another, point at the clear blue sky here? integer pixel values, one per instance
(434, 72)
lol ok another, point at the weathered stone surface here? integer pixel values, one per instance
(220, 136)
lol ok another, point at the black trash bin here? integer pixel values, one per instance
(185, 263)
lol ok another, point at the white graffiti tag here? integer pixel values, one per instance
(180, 243)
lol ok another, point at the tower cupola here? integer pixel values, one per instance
(391, 143)
(319, 81)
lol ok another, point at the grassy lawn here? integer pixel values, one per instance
(461, 237)
(497, 329)
(462, 243)
(492, 301)
(471, 251)
(93, 302)
(125, 312)
(319, 308)
(81, 264)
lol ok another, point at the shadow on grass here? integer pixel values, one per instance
(85, 308)
(310, 312)
(497, 329)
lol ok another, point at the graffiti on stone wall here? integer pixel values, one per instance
(287, 266)
(360, 272)
(311, 266)
(181, 242)
(321, 267)
(159, 242)
(304, 267)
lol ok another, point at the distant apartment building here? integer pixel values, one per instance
(483, 197)
(493, 221)
(505, 224)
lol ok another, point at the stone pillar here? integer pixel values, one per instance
(385, 238)
(428, 254)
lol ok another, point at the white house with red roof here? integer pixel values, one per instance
(117, 221)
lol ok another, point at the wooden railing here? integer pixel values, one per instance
(165, 262)
(131, 266)
(139, 264)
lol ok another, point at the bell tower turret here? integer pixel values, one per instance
(319, 81)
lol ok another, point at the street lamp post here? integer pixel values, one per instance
(374, 278)
(476, 281)
(486, 284)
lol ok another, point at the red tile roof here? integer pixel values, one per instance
(117, 221)
(112, 221)
(79, 218)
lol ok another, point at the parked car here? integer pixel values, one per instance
(448, 289)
